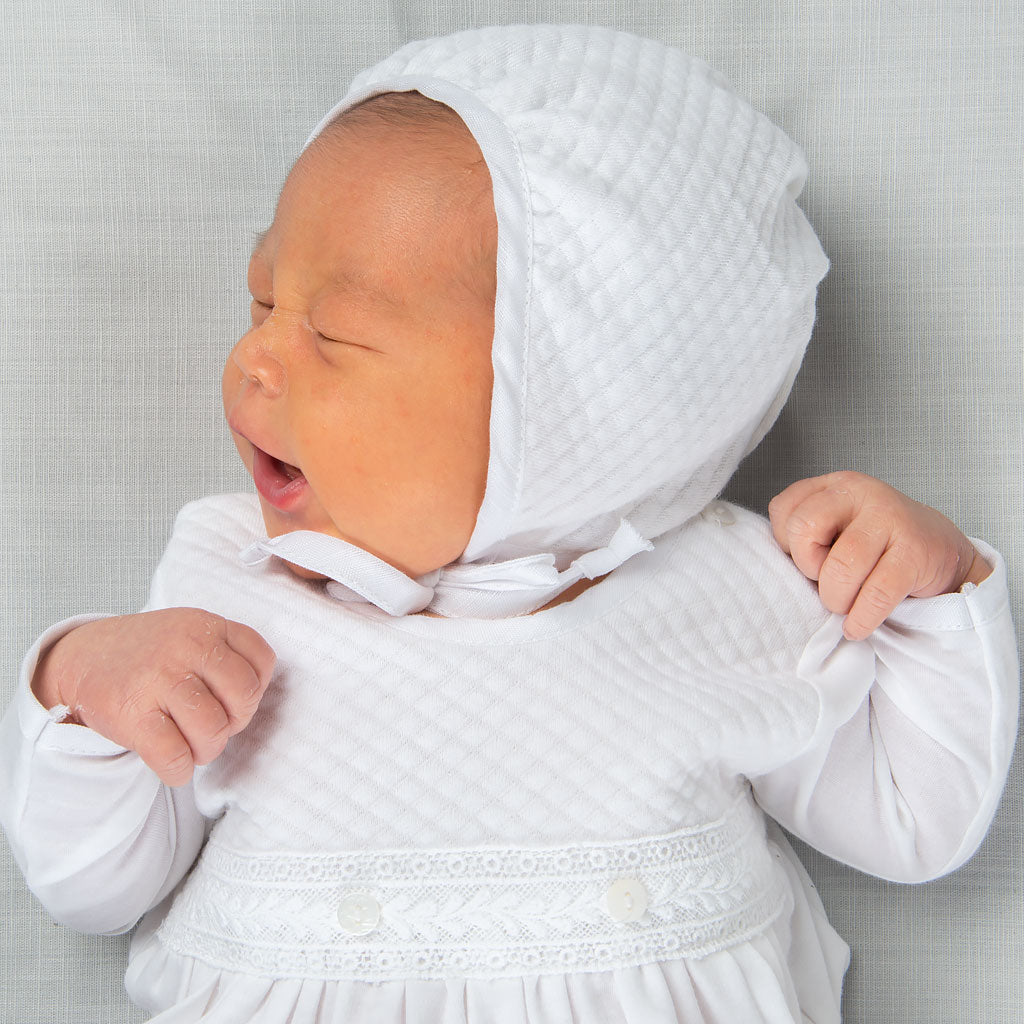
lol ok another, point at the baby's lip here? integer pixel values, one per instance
(251, 436)
(281, 482)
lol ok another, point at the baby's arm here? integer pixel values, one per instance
(868, 546)
(98, 835)
(918, 720)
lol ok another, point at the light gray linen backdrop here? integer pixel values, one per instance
(143, 144)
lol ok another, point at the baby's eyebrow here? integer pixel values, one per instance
(344, 278)
(364, 286)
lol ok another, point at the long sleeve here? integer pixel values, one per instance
(99, 838)
(905, 770)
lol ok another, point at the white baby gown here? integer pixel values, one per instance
(498, 818)
(458, 811)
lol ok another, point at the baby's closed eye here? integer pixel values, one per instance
(259, 311)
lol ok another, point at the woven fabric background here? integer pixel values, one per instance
(143, 145)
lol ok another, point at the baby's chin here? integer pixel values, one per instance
(302, 572)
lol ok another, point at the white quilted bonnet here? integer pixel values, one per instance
(655, 294)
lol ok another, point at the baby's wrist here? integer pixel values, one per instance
(979, 570)
(45, 683)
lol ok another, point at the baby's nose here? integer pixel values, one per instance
(255, 358)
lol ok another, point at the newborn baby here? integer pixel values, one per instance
(489, 694)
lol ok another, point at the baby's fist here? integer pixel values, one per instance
(173, 685)
(869, 546)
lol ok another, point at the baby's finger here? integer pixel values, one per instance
(253, 648)
(814, 525)
(781, 507)
(850, 561)
(160, 744)
(199, 716)
(235, 684)
(887, 586)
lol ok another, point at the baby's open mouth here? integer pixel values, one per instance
(288, 469)
(281, 483)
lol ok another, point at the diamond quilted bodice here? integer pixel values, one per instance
(634, 710)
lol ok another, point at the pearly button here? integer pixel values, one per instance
(359, 913)
(718, 512)
(627, 899)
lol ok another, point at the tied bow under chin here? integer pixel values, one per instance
(481, 590)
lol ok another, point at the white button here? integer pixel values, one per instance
(359, 913)
(627, 899)
(718, 512)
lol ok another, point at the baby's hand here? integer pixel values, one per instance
(869, 546)
(173, 685)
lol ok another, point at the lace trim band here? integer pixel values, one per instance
(482, 912)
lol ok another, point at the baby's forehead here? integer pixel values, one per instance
(379, 190)
(428, 138)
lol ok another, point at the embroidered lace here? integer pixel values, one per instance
(483, 912)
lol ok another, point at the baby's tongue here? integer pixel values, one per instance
(288, 469)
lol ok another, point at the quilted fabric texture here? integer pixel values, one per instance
(422, 694)
(403, 759)
(655, 277)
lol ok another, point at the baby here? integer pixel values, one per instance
(529, 296)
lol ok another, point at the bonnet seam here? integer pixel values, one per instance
(524, 182)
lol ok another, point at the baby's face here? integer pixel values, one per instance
(360, 399)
